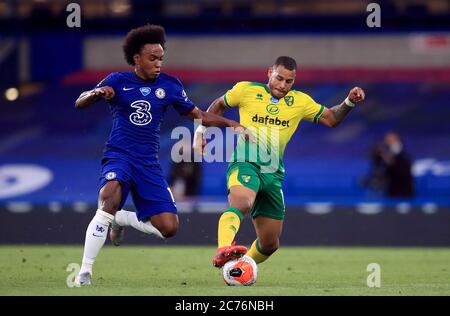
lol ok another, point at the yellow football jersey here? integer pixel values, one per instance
(273, 122)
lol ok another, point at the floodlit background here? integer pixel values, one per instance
(50, 153)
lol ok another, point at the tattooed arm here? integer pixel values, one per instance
(332, 117)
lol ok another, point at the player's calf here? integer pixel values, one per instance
(268, 248)
(260, 252)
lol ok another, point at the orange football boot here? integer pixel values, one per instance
(227, 253)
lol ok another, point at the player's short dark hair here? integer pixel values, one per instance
(138, 37)
(287, 62)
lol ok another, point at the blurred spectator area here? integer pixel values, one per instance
(45, 66)
(198, 14)
(69, 142)
(195, 8)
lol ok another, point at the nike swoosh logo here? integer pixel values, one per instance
(96, 235)
(126, 89)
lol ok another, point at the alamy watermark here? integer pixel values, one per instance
(74, 17)
(74, 269)
(374, 18)
(374, 278)
(259, 145)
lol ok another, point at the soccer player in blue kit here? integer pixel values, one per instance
(138, 100)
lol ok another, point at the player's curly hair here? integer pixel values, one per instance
(138, 37)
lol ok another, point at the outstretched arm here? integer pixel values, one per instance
(216, 108)
(89, 97)
(333, 116)
(210, 118)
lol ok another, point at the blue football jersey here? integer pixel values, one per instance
(138, 109)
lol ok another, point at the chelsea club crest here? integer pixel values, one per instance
(160, 93)
(110, 175)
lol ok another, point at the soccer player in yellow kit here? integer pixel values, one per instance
(273, 112)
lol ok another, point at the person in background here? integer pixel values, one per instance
(399, 181)
(185, 176)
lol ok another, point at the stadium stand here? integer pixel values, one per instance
(50, 152)
(70, 142)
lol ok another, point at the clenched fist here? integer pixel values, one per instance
(356, 95)
(106, 92)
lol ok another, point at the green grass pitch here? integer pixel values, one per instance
(175, 271)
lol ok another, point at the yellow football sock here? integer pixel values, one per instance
(229, 224)
(256, 254)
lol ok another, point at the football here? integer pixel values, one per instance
(242, 271)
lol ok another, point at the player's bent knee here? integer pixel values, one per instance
(242, 201)
(244, 210)
(169, 232)
(244, 205)
(168, 229)
(166, 223)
